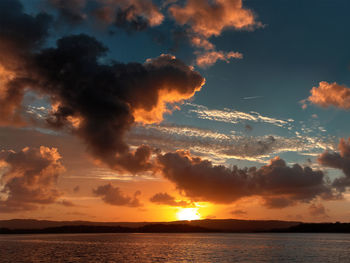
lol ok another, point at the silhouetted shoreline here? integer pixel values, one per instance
(196, 226)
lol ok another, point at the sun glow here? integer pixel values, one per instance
(188, 214)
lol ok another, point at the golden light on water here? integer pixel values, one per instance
(188, 214)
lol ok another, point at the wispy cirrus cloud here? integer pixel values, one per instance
(209, 58)
(220, 147)
(234, 116)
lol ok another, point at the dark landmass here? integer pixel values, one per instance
(154, 228)
(217, 224)
(27, 226)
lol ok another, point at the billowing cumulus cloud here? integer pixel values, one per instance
(29, 178)
(97, 102)
(166, 199)
(209, 58)
(105, 100)
(276, 183)
(329, 94)
(114, 196)
(339, 160)
(210, 18)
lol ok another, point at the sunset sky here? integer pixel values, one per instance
(159, 110)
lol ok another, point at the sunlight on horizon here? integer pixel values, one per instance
(188, 214)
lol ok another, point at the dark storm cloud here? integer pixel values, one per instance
(19, 34)
(98, 102)
(29, 178)
(166, 199)
(278, 184)
(101, 102)
(339, 160)
(114, 196)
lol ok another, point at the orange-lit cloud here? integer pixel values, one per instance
(201, 42)
(166, 98)
(10, 100)
(29, 178)
(210, 18)
(209, 58)
(329, 94)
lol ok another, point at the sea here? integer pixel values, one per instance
(261, 247)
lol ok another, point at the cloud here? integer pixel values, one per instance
(210, 18)
(166, 199)
(135, 15)
(221, 147)
(19, 33)
(339, 160)
(98, 102)
(209, 58)
(206, 18)
(29, 178)
(329, 94)
(130, 14)
(108, 99)
(200, 180)
(70, 11)
(234, 116)
(114, 196)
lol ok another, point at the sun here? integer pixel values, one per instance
(188, 214)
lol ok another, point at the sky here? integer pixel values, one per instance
(150, 110)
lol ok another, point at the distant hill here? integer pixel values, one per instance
(29, 226)
(224, 225)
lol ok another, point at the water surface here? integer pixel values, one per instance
(175, 248)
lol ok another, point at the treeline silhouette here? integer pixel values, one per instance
(179, 228)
